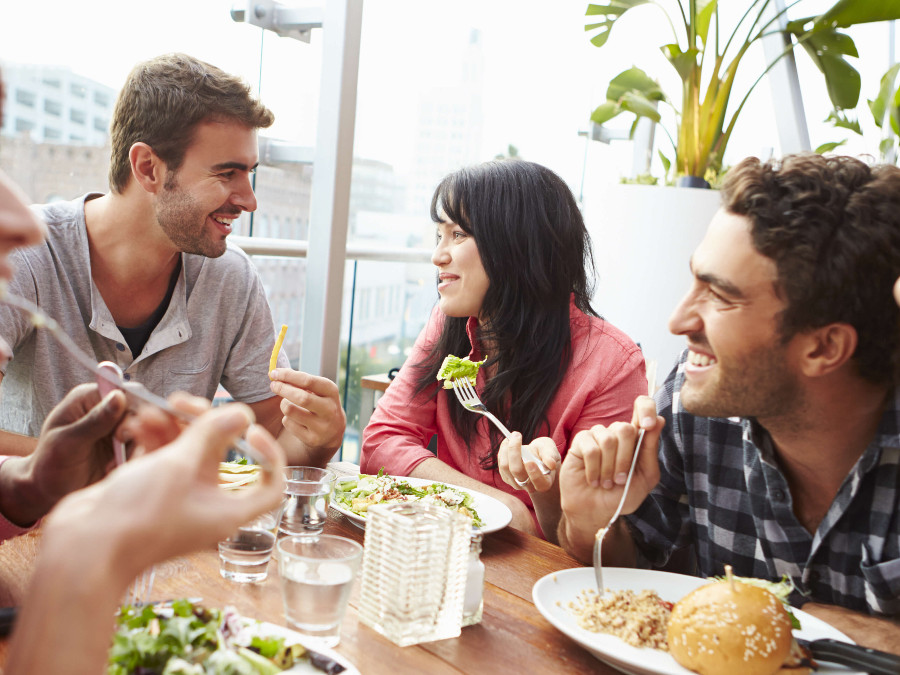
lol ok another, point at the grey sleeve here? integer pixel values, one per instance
(16, 325)
(246, 374)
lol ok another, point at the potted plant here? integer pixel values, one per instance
(707, 54)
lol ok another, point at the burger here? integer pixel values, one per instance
(734, 627)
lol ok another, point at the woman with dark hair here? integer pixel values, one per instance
(514, 259)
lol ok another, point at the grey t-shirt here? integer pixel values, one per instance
(217, 328)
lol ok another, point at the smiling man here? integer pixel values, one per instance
(776, 448)
(144, 276)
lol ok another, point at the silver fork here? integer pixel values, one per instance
(601, 533)
(467, 396)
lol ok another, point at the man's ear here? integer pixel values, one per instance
(826, 349)
(148, 170)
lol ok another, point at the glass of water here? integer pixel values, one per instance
(244, 556)
(317, 575)
(307, 493)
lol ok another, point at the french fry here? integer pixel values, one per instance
(273, 360)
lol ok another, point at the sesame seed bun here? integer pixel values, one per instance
(730, 627)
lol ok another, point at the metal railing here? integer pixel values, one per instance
(289, 248)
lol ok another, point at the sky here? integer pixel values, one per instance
(542, 76)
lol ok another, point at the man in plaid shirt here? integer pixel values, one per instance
(776, 444)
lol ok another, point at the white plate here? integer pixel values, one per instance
(553, 593)
(494, 514)
(266, 629)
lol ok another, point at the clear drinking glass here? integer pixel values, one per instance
(244, 556)
(317, 576)
(307, 493)
(414, 572)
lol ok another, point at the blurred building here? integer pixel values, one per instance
(449, 128)
(51, 104)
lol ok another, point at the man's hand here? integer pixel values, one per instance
(73, 451)
(312, 412)
(594, 471)
(151, 427)
(168, 502)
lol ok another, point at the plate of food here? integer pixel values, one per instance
(185, 638)
(353, 495)
(635, 608)
(238, 474)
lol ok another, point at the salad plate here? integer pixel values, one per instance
(494, 514)
(553, 593)
(186, 637)
(266, 629)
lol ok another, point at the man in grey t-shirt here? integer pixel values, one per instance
(143, 275)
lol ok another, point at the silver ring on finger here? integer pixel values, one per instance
(521, 483)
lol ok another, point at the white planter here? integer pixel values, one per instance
(643, 239)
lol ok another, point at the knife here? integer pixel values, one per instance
(855, 656)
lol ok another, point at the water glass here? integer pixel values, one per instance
(307, 493)
(414, 572)
(317, 576)
(244, 556)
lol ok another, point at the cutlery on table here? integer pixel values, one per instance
(469, 400)
(852, 655)
(601, 533)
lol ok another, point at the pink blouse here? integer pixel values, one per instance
(605, 375)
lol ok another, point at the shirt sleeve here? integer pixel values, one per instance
(401, 426)
(661, 525)
(246, 372)
(16, 324)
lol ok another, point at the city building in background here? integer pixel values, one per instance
(51, 104)
(449, 126)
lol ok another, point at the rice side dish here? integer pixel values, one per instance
(640, 619)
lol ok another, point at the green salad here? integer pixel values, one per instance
(455, 368)
(186, 639)
(357, 495)
(780, 589)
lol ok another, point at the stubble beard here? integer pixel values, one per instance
(758, 385)
(184, 222)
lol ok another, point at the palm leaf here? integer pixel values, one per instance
(610, 12)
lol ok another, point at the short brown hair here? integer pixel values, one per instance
(163, 101)
(832, 227)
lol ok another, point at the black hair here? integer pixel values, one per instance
(536, 252)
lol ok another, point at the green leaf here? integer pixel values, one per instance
(886, 145)
(705, 11)
(666, 162)
(828, 147)
(635, 102)
(839, 119)
(850, 12)
(605, 112)
(825, 47)
(267, 646)
(887, 94)
(683, 61)
(634, 80)
(610, 12)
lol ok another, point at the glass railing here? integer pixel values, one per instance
(388, 295)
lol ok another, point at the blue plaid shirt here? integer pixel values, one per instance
(721, 493)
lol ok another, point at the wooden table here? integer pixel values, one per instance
(513, 637)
